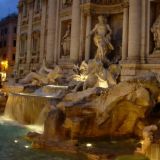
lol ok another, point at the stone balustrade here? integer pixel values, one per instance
(104, 2)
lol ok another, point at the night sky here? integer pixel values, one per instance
(7, 7)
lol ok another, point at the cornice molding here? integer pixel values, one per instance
(88, 8)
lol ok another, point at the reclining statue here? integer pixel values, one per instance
(43, 76)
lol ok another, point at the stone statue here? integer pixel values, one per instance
(102, 37)
(66, 39)
(93, 74)
(43, 76)
(147, 138)
(156, 33)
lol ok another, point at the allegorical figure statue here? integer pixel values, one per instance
(43, 76)
(66, 40)
(156, 33)
(102, 38)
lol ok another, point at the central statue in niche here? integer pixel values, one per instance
(102, 38)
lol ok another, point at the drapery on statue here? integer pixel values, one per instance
(43, 76)
(156, 33)
(66, 40)
(102, 37)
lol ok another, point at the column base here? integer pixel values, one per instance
(154, 57)
(130, 71)
(133, 60)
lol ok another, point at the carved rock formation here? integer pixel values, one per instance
(117, 111)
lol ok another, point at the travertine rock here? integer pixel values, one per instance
(53, 127)
(117, 111)
(120, 110)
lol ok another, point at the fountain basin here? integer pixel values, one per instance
(132, 157)
(14, 147)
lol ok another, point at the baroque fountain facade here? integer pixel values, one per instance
(91, 71)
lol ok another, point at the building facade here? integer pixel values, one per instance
(57, 30)
(8, 32)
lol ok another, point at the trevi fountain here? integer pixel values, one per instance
(93, 112)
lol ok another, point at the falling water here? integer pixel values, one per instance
(154, 152)
(31, 109)
(27, 108)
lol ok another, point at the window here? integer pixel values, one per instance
(4, 43)
(14, 43)
(21, 71)
(66, 3)
(35, 42)
(13, 57)
(37, 6)
(25, 10)
(6, 30)
(15, 30)
(2, 32)
(23, 44)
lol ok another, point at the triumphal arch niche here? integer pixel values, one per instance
(112, 11)
(90, 10)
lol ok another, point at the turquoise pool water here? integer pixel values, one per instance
(14, 147)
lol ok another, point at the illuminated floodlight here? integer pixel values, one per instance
(26, 146)
(89, 145)
(15, 141)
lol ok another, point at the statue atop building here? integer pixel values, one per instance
(156, 33)
(43, 77)
(102, 38)
(66, 40)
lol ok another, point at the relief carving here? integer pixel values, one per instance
(66, 40)
(156, 33)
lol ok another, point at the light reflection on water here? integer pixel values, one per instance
(14, 147)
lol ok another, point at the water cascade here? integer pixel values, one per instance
(154, 152)
(26, 108)
(32, 108)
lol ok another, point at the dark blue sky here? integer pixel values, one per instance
(7, 7)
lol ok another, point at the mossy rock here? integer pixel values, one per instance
(132, 157)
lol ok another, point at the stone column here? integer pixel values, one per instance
(18, 40)
(82, 37)
(88, 39)
(144, 32)
(134, 45)
(57, 34)
(29, 34)
(43, 29)
(51, 31)
(125, 32)
(75, 31)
